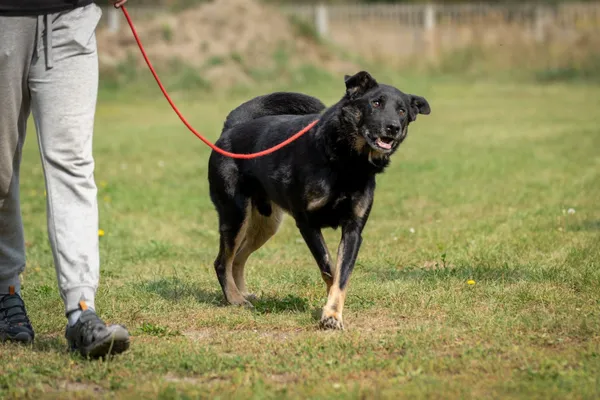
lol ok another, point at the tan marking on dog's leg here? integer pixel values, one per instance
(361, 207)
(260, 229)
(315, 204)
(331, 317)
(332, 312)
(327, 278)
(232, 292)
(328, 283)
(316, 196)
(238, 268)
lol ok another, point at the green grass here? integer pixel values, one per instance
(478, 191)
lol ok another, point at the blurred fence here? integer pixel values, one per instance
(405, 29)
(402, 30)
(426, 16)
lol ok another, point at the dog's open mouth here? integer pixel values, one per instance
(385, 142)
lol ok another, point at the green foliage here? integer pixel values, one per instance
(523, 63)
(167, 33)
(150, 329)
(305, 29)
(588, 72)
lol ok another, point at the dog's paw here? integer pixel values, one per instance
(250, 296)
(331, 323)
(241, 303)
(247, 304)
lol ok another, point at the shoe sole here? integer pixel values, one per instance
(21, 337)
(115, 343)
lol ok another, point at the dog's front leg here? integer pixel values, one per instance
(346, 258)
(315, 242)
(352, 228)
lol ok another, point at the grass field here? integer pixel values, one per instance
(479, 191)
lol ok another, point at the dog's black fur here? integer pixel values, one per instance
(326, 178)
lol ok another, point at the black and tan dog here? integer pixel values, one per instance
(324, 179)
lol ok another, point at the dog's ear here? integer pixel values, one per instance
(359, 84)
(418, 105)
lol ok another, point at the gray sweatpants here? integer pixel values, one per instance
(49, 66)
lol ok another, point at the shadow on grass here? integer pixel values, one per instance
(54, 344)
(41, 344)
(49, 344)
(174, 289)
(585, 226)
(273, 305)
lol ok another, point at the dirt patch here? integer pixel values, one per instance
(283, 379)
(199, 335)
(213, 334)
(195, 380)
(68, 386)
(436, 265)
(226, 42)
(281, 336)
(375, 323)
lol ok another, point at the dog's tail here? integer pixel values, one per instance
(279, 103)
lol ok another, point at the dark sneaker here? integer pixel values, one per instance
(90, 336)
(14, 323)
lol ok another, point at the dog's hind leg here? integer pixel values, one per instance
(233, 225)
(259, 230)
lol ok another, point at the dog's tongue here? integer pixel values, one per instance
(383, 144)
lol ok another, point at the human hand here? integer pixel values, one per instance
(118, 3)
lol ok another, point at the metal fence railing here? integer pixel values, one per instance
(535, 16)
(404, 29)
(412, 14)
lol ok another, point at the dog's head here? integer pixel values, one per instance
(377, 116)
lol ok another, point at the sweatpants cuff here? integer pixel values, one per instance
(74, 296)
(5, 284)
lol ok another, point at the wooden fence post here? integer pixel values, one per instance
(540, 23)
(321, 20)
(430, 17)
(430, 31)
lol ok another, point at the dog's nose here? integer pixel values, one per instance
(392, 129)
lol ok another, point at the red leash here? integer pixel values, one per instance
(199, 135)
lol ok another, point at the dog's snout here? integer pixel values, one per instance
(392, 129)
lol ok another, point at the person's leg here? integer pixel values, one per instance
(16, 51)
(64, 83)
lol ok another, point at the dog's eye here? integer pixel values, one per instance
(376, 103)
(402, 113)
